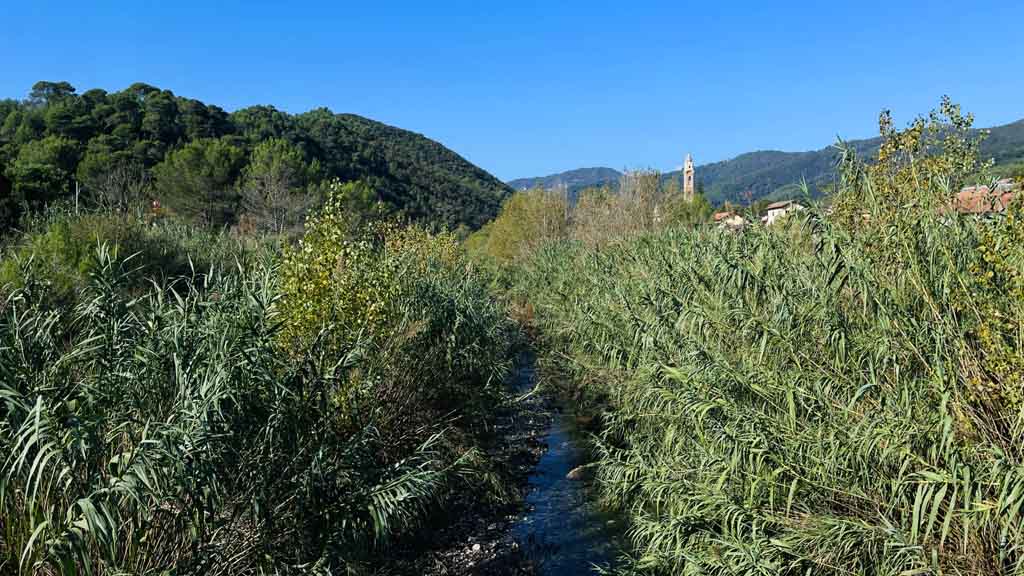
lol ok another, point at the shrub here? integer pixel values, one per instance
(527, 219)
(394, 291)
(59, 251)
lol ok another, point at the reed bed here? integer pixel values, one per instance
(840, 394)
(176, 429)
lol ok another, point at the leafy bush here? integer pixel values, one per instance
(527, 220)
(396, 290)
(58, 250)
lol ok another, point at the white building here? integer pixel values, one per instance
(779, 209)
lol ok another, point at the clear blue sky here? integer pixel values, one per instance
(529, 88)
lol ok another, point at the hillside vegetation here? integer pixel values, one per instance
(776, 175)
(200, 161)
(835, 394)
(573, 179)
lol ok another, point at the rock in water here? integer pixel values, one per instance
(580, 473)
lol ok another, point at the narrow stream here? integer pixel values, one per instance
(563, 531)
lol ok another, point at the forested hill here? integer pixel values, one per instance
(196, 155)
(771, 174)
(777, 175)
(573, 179)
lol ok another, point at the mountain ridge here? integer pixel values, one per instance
(580, 177)
(777, 174)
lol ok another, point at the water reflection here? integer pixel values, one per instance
(563, 531)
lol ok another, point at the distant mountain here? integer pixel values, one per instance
(1006, 143)
(773, 175)
(573, 179)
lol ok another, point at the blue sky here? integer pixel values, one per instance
(529, 88)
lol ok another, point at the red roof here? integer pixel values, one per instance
(719, 216)
(981, 200)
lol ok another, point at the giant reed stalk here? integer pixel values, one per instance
(842, 395)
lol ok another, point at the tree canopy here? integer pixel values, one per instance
(195, 151)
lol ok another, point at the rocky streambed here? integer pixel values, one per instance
(558, 529)
(562, 531)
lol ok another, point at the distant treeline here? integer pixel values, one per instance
(198, 160)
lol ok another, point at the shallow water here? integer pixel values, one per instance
(563, 532)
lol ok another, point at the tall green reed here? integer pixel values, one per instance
(839, 394)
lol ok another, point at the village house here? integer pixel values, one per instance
(982, 200)
(777, 210)
(729, 220)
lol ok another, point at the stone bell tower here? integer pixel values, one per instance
(688, 193)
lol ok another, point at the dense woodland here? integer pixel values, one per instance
(199, 161)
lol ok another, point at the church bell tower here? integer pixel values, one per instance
(688, 192)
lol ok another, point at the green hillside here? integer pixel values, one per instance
(573, 179)
(775, 175)
(772, 174)
(58, 137)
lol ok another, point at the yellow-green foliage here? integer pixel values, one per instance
(339, 282)
(997, 299)
(421, 248)
(331, 279)
(907, 173)
(527, 220)
(349, 282)
(644, 201)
